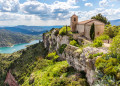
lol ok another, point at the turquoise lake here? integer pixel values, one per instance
(16, 47)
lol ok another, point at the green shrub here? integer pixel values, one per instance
(118, 75)
(62, 31)
(74, 43)
(62, 47)
(98, 54)
(52, 56)
(112, 31)
(110, 70)
(107, 66)
(56, 32)
(115, 46)
(71, 38)
(60, 82)
(97, 43)
(103, 37)
(100, 63)
(65, 30)
(91, 56)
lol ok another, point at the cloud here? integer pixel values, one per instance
(89, 4)
(84, 0)
(33, 20)
(104, 3)
(9, 5)
(111, 14)
(58, 10)
(36, 8)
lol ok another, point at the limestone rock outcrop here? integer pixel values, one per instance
(76, 57)
(80, 60)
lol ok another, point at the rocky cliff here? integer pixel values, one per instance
(79, 58)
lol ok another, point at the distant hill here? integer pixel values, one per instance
(31, 30)
(8, 38)
(115, 22)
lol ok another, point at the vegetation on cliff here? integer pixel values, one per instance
(35, 66)
(39, 67)
(5, 61)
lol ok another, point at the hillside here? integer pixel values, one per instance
(5, 61)
(8, 38)
(31, 63)
(30, 30)
(65, 59)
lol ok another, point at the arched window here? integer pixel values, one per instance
(74, 19)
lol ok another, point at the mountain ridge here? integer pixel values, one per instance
(115, 22)
(9, 38)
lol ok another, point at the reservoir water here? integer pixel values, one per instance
(16, 47)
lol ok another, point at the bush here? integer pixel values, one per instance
(103, 37)
(110, 70)
(100, 63)
(118, 75)
(74, 43)
(107, 66)
(52, 56)
(97, 43)
(56, 32)
(91, 56)
(112, 31)
(115, 46)
(65, 30)
(62, 47)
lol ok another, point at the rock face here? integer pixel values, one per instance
(80, 60)
(76, 57)
(10, 80)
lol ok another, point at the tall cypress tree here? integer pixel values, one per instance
(92, 32)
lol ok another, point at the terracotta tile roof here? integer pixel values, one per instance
(86, 21)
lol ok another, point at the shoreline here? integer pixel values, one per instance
(17, 47)
(16, 44)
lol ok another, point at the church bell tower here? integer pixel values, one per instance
(73, 22)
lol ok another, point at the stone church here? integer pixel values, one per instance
(83, 28)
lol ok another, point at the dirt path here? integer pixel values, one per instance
(10, 80)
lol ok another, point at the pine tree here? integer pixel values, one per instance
(101, 18)
(92, 32)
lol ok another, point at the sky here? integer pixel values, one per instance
(54, 12)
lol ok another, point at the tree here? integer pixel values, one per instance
(115, 46)
(92, 32)
(101, 18)
(111, 31)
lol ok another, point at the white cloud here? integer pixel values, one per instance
(45, 11)
(19, 19)
(104, 3)
(84, 0)
(33, 12)
(111, 14)
(9, 5)
(88, 4)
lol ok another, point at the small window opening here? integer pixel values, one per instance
(74, 19)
